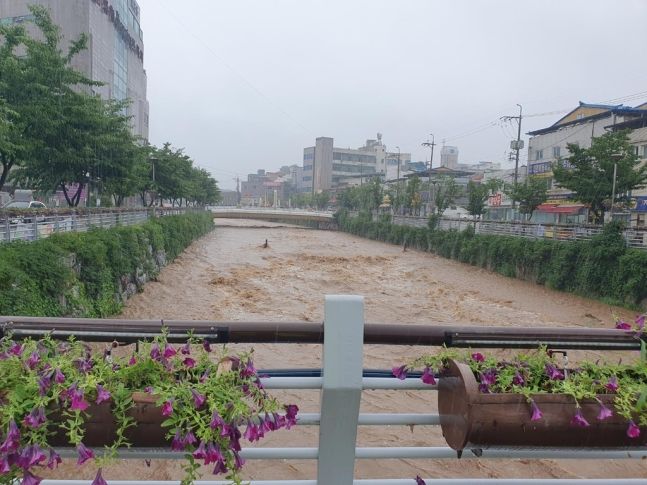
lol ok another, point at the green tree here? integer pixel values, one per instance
(478, 194)
(321, 199)
(589, 172)
(530, 194)
(445, 193)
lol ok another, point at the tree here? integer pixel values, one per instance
(446, 191)
(478, 194)
(529, 195)
(589, 172)
(321, 200)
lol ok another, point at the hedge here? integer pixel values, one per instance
(91, 274)
(603, 268)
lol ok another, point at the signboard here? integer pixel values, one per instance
(495, 200)
(641, 204)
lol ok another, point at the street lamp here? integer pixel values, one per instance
(615, 157)
(153, 191)
(397, 192)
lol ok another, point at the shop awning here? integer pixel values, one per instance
(560, 209)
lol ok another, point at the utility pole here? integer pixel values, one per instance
(237, 179)
(431, 162)
(397, 192)
(516, 145)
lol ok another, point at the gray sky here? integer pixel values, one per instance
(244, 84)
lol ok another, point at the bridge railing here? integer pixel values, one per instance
(342, 381)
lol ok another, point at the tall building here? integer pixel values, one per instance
(115, 53)
(327, 167)
(449, 157)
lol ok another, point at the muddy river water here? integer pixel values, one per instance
(229, 275)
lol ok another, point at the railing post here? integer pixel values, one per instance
(341, 389)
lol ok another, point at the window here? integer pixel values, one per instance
(307, 178)
(307, 168)
(556, 151)
(644, 151)
(539, 154)
(635, 149)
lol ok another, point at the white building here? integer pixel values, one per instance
(327, 166)
(449, 157)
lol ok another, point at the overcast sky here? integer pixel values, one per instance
(243, 84)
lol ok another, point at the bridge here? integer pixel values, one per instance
(301, 217)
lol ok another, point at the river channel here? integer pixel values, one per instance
(230, 275)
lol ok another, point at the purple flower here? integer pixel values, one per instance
(206, 346)
(102, 394)
(604, 413)
(640, 322)
(84, 365)
(238, 461)
(59, 377)
(478, 357)
(148, 389)
(133, 360)
(201, 452)
(579, 420)
(554, 374)
(12, 441)
(54, 460)
(204, 377)
(33, 360)
(189, 363)
(198, 399)
(622, 325)
(518, 379)
(167, 408)
(189, 439)
(212, 454)
(36, 418)
(155, 352)
(291, 411)
(220, 468)
(5, 466)
(633, 431)
(98, 480)
(400, 372)
(44, 383)
(420, 481)
(186, 349)
(251, 433)
(428, 377)
(536, 412)
(612, 384)
(30, 456)
(29, 479)
(16, 349)
(177, 444)
(216, 421)
(78, 402)
(169, 351)
(85, 454)
(248, 370)
(487, 379)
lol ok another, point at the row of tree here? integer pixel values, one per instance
(56, 133)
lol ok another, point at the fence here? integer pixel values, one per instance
(32, 225)
(635, 237)
(342, 381)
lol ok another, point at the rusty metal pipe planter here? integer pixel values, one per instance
(473, 420)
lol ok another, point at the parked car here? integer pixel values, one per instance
(24, 204)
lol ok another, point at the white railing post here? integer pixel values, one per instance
(341, 388)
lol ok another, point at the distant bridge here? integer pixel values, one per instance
(316, 219)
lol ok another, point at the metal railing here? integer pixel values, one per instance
(342, 381)
(33, 225)
(635, 237)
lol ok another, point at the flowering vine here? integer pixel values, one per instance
(211, 401)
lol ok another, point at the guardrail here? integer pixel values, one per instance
(33, 225)
(635, 237)
(342, 381)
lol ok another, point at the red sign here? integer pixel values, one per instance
(495, 200)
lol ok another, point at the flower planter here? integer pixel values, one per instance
(100, 426)
(474, 420)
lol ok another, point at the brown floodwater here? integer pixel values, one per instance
(229, 275)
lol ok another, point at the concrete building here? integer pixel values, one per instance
(548, 145)
(115, 53)
(326, 167)
(449, 157)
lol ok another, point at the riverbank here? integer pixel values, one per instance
(92, 274)
(603, 267)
